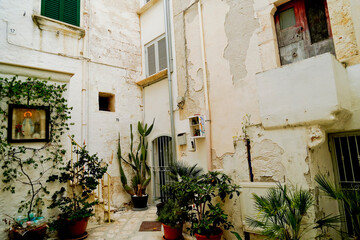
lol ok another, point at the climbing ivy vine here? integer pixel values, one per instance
(29, 164)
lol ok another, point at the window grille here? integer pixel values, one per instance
(347, 156)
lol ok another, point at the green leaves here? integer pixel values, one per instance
(200, 192)
(84, 176)
(141, 174)
(281, 213)
(350, 197)
(17, 162)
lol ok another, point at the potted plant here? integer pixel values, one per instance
(177, 170)
(24, 228)
(23, 163)
(172, 216)
(205, 215)
(141, 174)
(75, 203)
(282, 211)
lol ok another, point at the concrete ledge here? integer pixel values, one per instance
(34, 72)
(146, 6)
(314, 91)
(49, 24)
(153, 78)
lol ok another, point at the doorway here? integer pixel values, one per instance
(162, 158)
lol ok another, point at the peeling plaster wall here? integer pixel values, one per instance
(240, 41)
(188, 55)
(239, 36)
(230, 68)
(106, 59)
(343, 29)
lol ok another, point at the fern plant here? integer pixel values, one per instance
(141, 174)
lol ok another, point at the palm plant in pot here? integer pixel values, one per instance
(75, 202)
(282, 215)
(199, 195)
(137, 160)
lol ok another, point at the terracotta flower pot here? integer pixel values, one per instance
(172, 233)
(37, 233)
(75, 228)
(217, 235)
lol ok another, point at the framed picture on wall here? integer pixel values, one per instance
(28, 123)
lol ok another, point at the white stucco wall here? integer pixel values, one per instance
(312, 91)
(106, 59)
(298, 105)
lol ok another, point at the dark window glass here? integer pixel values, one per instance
(315, 12)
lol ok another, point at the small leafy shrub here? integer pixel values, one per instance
(199, 195)
(172, 214)
(83, 178)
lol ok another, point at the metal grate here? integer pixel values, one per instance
(347, 155)
(162, 158)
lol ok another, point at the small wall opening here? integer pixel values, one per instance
(106, 102)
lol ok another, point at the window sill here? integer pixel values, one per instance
(146, 6)
(49, 24)
(153, 78)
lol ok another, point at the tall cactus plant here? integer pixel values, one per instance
(136, 159)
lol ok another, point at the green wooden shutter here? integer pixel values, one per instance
(71, 11)
(51, 9)
(63, 10)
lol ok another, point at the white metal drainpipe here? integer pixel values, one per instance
(169, 70)
(207, 104)
(84, 86)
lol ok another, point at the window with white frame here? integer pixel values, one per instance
(155, 56)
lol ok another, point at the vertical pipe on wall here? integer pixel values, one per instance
(169, 67)
(207, 104)
(85, 78)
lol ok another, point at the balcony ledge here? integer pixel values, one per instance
(312, 91)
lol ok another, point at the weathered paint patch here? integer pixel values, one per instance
(266, 158)
(240, 24)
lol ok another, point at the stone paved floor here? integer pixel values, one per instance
(126, 226)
